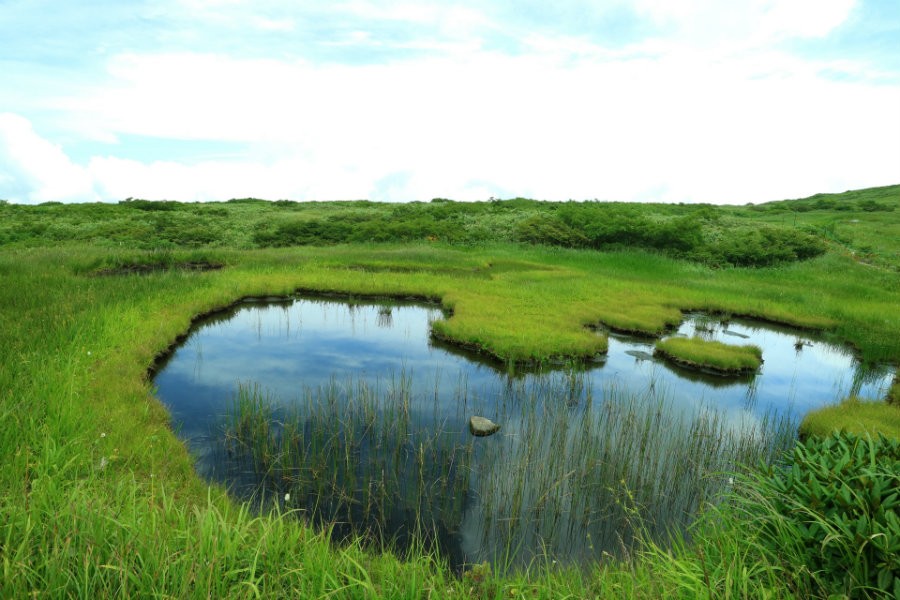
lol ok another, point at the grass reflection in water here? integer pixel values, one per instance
(572, 474)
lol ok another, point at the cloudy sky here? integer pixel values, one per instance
(634, 100)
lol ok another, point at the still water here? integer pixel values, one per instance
(364, 426)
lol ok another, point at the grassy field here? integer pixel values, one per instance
(99, 497)
(856, 222)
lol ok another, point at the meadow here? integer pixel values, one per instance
(100, 497)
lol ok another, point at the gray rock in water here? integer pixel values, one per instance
(480, 427)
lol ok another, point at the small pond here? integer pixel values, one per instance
(352, 415)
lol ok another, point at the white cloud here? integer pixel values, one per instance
(273, 24)
(711, 111)
(751, 22)
(805, 18)
(33, 169)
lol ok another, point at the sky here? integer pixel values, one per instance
(627, 100)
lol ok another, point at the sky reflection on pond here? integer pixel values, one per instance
(306, 343)
(295, 348)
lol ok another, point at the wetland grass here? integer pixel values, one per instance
(852, 414)
(582, 477)
(352, 458)
(571, 478)
(709, 355)
(76, 349)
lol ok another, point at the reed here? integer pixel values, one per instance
(354, 458)
(581, 477)
(572, 477)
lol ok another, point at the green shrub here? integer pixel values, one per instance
(679, 235)
(829, 513)
(152, 205)
(765, 246)
(302, 232)
(870, 205)
(542, 229)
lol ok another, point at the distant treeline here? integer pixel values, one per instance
(715, 235)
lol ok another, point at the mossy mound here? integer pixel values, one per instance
(853, 415)
(714, 357)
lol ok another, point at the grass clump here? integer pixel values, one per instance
(856, 416)
(709, 355)
(893, 395)
(351, 458)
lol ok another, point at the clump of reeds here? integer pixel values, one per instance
(572, 476)
(576, 481)
(353, 457)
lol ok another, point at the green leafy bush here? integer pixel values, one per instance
(829, 513)
(541, 229)
(870, 205)
(152, 205)
(303, 231)
(764, 246)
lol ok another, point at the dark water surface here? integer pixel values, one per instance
(379, 412)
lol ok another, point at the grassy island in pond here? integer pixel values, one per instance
(716, 357)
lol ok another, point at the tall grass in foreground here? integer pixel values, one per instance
(570, 477)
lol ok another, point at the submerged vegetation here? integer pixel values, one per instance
(101, 498)
(710, 355)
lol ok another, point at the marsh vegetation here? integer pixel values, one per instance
(748, 236)
(573, 478)
(711, 356)
(359, 421)
(103, 498)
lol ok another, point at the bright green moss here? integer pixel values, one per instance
(856, 416)
(715, 356)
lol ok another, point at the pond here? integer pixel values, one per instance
(352, 415)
